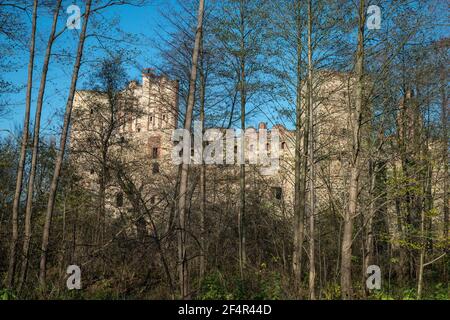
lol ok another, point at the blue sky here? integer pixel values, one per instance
(134, 20)
(142, 22)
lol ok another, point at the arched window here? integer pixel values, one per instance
(283, 145)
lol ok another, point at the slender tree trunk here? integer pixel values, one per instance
(203, 244)
(34, 158)
(23, 152)
(62, 254)
(60, 156)
(402, 267)
(356, 121)
(242, 90)
(368, 223)
(102, 195)
(423, 239)
(312, 201)
(444, 123)
(425, 199)
(183, 263)
(402, 201)
(346, 250)
(300, 168)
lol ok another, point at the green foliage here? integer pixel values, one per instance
(260, 285)
(332, 291)
(436, 292)
(103, 290)
(409, 294)
(68, 295)
(6, 294)
(214, 288)
(432, 213)
(401, 185)
(270, 287)
(440, 292)
(381, 295)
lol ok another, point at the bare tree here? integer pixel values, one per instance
(23, 151)
(182, 193)
(60, 157)
(445, 144)
(35, 149)
(242, 37)
(356, 124)
(312, 200)
(300, 159)
(202, 94)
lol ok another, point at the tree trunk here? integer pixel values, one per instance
(63, 249)
(60, 156)
(23, 152)
(34, 158)
(300, 165)
(102, 195)
(242, 90)
(183, 263)
(356, 121)
(203, 243)
(444, 123)
(312, 203)
(423, 239)
(368, 223)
